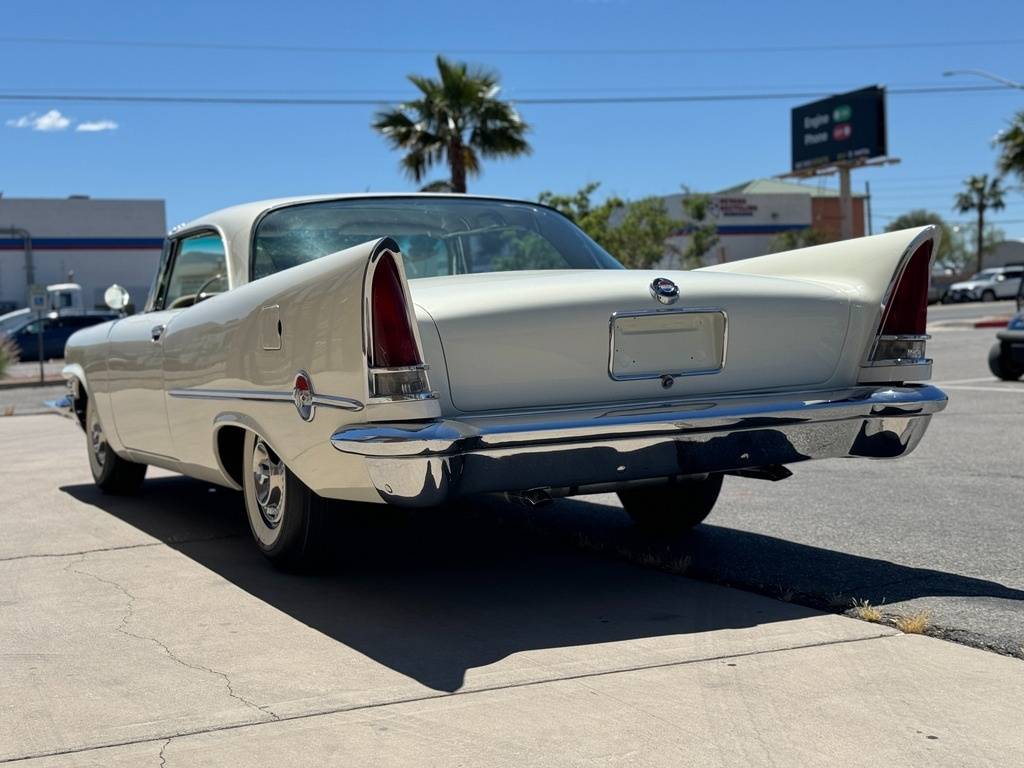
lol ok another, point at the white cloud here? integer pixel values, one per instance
(25, 121)
(96, 126)
(50, 121)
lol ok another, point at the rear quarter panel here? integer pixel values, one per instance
(221, 344)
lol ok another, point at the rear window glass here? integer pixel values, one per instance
(437, 236)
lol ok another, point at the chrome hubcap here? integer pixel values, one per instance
(269, 483)
(98, 444)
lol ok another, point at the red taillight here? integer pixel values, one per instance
(906, 313)
(901, 338)
(394, 344)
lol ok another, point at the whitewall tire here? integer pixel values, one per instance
(286, 518)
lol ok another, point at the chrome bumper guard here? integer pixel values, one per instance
(573, 450)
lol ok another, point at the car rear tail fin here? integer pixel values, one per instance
(394, 354)
(901, 338)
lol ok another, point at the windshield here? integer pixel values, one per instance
(12, 321)
(437, 235)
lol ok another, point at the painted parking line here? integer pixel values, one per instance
(957, 387)
(965, 381)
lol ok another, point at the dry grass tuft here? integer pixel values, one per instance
(9, 410)
(864, 610)
(915, 624)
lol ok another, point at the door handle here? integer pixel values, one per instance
(156, 332)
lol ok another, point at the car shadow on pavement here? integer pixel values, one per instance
(434, 593)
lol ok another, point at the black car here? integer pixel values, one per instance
(57, 328)
(1006, 357)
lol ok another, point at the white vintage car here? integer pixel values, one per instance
(411, 349)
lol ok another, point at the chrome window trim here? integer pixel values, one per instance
(173, 243)
(681, 311)
(265, 396)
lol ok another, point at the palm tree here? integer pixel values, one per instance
(458, 119)
(1011, 147)
(980, 194)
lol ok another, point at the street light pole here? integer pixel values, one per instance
(987, 75)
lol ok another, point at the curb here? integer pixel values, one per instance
(22, 383)
(993, 322)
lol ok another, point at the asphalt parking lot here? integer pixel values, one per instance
(148, 630)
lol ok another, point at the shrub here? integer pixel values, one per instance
(8, 354)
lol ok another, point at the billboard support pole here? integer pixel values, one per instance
(845, 202)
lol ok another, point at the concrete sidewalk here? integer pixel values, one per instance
(148, 631)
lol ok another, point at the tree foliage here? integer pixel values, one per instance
(980, 194)
(637, 232)
(703, 233)
(798, 238)
(919, 217)
(458, 119)
(1010, 143)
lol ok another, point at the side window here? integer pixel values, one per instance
(198, 270)
(33, 327)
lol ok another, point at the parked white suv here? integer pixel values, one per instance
(988, 285)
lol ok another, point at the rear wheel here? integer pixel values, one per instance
(1000, 367)
(672, 508)
(286, 518)
(111, 473)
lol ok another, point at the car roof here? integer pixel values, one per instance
(249, 212)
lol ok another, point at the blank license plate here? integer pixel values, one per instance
(647, 346)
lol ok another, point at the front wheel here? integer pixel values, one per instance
(1001, 368)
(286, 518)
(111, 473)
(988, 296)
(672, 508)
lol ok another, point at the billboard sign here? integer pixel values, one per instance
(843, 128)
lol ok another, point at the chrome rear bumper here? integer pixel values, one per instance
(427, 463)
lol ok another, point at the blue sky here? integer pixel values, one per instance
(203, 157)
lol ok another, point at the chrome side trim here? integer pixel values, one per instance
(904, 337)
(642, 312)
(265, 396)
(402, 398)
(898, 361)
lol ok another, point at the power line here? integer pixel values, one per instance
(391, 51)
(345, 102)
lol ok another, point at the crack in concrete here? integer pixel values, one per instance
(162, 756)
(315, 713)
(124, 630)
(50, 555)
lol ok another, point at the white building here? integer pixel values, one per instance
(1003, 253)
(751, 215)
(90, 242)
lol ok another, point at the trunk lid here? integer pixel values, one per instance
(544, 338)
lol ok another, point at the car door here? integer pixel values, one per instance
(1007, 288)
(26, 339)
(192, 262)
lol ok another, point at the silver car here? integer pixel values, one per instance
(988, 285)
